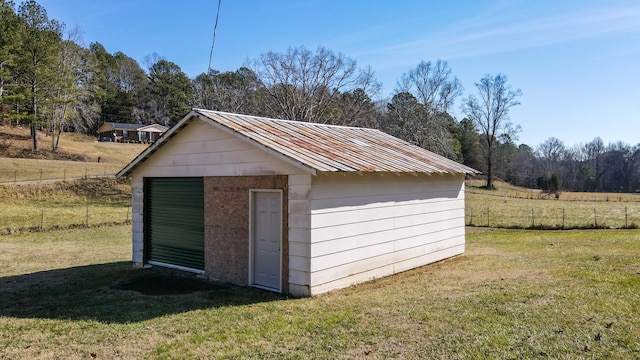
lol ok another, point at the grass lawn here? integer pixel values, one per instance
(515, 294)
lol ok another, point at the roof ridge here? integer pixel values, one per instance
(305, 123)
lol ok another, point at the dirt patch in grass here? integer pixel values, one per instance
(64, 205)
(12, 152)
(168, 284)
(97, 189)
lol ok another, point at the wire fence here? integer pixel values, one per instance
(56, 174)
(42, 219)
(564, 196)
(575, 217)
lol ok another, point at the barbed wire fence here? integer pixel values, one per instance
(612, 217)
(55, 174)
(32, 219)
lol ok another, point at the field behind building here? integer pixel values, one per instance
(515, 207)
(80, 156)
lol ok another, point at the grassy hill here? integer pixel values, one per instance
(79, 156)
(85, 198)
(15, 142)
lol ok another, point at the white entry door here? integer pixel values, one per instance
(267, 239)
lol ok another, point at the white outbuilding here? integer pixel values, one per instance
(293, 207)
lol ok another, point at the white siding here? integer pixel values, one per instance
(299, 234)
(368, 226)
(202, 150)
(137, 212)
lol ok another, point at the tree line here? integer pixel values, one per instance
(49, 81)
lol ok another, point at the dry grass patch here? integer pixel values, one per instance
(79, 156)
(36, 170)
(514, 207)
(507, 190)
(14, 138)
(64, 204)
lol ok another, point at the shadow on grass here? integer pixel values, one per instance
(117, 293)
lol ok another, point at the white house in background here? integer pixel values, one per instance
(292, 207)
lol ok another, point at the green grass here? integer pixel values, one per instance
(514, 294)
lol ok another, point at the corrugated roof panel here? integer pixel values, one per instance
(336, 148)
(319, 147)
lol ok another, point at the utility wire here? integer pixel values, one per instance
(215, 27)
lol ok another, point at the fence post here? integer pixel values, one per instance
(40, 175)
(42, 220)
(15, 177)
(85, 172)
(127, 217)
(64, 177)
(533, 218)
(595, 218)
(488, 222)
(87, 217)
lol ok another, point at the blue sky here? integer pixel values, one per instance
(576, 62)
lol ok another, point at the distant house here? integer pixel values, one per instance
(292, 207)
(110, 131)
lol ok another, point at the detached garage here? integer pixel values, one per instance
(292, 207)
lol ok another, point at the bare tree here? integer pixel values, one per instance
(435, 90)
(525, 167)
(64, 91)
(432, 85)
(307, 86)
(491, 113)
(596, 151)
(628, 161)
(552, 151)
(228, 91)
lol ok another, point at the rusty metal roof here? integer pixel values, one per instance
(319, 147)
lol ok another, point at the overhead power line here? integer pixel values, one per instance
(215, 27)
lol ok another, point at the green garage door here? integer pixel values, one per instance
(174, 222)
